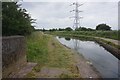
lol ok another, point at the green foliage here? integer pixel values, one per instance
(48, 53)
(110, 43)
(36, 48)
(103, 27)
(105, 34)
(15, 20)
(68, 29)
(53, 29)
(60, 29)
(84, 29)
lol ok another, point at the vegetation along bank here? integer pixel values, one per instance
(55, 60)
(107, 41)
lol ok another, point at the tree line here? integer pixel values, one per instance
(102, 27)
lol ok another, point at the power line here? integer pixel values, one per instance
(76, 17)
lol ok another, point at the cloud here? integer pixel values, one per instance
(104, 12)
(56, 14)
(70, 0)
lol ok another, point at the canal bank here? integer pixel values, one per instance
(100, 58)
(106, 44)
(54, 60)
(112, 47)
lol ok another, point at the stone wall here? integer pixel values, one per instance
(13, 55)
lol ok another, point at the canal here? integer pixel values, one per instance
(100, 58)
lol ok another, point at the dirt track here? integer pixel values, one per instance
(116, 42)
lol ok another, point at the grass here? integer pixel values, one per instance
(69, 76)
(90, 35)
(46, 51)
(36, 48)
(109, 43)
(106, 34)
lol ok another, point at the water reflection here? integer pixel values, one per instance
(101, 59)
(76, 44)
(68, 39)
(59, 37)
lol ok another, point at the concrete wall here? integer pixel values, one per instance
(13, 55)
(111, 49)
(0, 57)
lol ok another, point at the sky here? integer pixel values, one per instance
(50, 15)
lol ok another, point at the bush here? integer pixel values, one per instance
(103, 27)
(15, 20)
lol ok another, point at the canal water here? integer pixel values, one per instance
(101, 59)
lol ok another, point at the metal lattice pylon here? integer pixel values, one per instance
(76, 17)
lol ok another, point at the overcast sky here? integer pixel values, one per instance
(56, 14)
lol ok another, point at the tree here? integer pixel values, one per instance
(84, 29)
(15, 20)
(68, 29)
(103, 27)
(60, 29)
(53, 29)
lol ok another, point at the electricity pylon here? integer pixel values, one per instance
(76, 17)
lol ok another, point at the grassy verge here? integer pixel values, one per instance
(106, 34)
(36, 48)
(47, 52)
(109, 43)
(77, 35)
